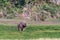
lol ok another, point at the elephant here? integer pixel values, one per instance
(21, 26)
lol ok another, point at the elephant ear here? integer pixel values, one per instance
(24, 24)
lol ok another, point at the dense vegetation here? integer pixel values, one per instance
(11, 8)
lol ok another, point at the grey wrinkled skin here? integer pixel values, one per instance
(21, 26)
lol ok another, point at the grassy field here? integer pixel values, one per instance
(32, 31)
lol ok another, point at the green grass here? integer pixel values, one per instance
(32, 31)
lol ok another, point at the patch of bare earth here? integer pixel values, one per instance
(14, 21)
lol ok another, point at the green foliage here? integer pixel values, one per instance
(53, 9)
(13, 7)
(16, 6)
(18, 3)
(49, 8)
(22, 2)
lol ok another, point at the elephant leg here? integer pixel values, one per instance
(21, 29)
